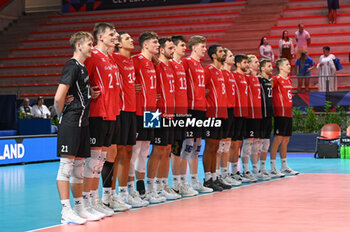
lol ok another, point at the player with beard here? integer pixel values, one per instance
(195, 82)
(282, 107)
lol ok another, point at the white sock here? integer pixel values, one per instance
(123, 190)
(97, 197)
(176, 180)
(224, 172)
(92, 198)
(86, 199)
(106, 193)
(78, 203)
(159, 184)
(65, 204)
(234, 167)
(262, 165)
(246, 167)
(284, 163)
(214, 176)
(164, 182)
(255, 168)
(207, 176)
(217, 172)
(114, 193)
(131, 186)
(194, 178)
(150, 184)
(183, 179)
(273, 164)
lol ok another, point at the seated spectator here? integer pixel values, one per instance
(26, 109)
(327, 71)
(265, 50)
(304, 66)
(286, 47)
(40, 110)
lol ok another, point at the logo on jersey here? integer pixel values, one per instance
(151, 119)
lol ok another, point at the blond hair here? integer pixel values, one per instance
(78, 37)
(196, 39)
(251, 58)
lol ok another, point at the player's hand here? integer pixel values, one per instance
(137, 88)
(95, 92)
(69, 99)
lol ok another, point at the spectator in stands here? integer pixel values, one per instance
(26, 109)
(333, 5)
(303, 40)
(265, 50)
(304, 65)
(286, 47)
(327, 71)
(40, 110)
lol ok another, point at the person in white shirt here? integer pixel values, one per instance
(327, 70)
(303, 40)
(286, 47)
(40, 110)
(265, 50)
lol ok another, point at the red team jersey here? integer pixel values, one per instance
(195, 84)
(181, 103)
(127, 82)
(104, 74)
(282, 96)
(166, 89)
(216, 98)
(230, 83)
(254, 97)
(145, 75)
(241, 108)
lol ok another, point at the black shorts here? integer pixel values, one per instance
(143, 134)
(239, 128)
(163, 136)
(193, 131)
(74, 141)
(101, 132)
(266, 128)
(253, 128)
(215, 132)
(127, 132)
(283, 126)
(116, 133)
(228, 126)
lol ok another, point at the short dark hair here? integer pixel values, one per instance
(146, 36)
(162, 41)
(239, 58)
(263, 63)
(212, 50)
(100, 28)
(120, 39)
(177, 39)
(279, 62)
(326, 48)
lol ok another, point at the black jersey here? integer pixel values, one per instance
(76, 76)
(266, 97)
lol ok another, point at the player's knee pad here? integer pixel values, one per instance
(227, 146)
(221, 147)
(92, 164)
(77, 176)
(65, 169)
(196, 148)
(255, 147)
(265, 145)
(187, 149)
(101, 161)
(141, 160)
(247, 147)
(135, 154)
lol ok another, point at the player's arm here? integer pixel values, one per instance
(60, 98)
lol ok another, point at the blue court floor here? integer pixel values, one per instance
(29, 198)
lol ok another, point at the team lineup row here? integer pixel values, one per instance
(104, 94)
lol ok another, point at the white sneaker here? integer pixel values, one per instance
(186, 190)
(100, 207)
(135, 201)
(250, 176)
(169, 194)
(261, 176)
(274, 172)
(238, 177)
(88, 214)
(200, 188)
(289, 171)
(69, 216)
(232, 181)
(116, 205)
(153, 198)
